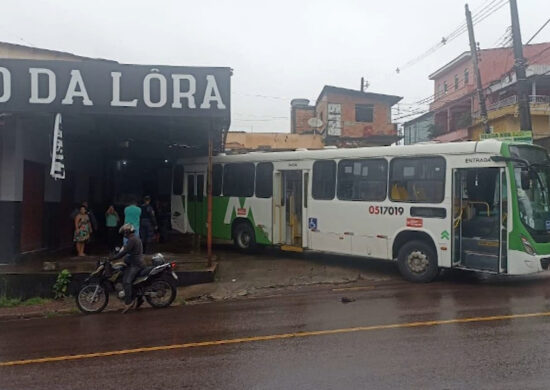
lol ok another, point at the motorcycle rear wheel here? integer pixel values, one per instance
(92, 298)
(165, 293)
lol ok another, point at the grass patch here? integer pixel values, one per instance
(9, 302)
(14, 302)
(35, 301)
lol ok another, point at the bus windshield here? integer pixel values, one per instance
(533, 202)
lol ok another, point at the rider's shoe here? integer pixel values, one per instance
(129, 306)
(139, 302)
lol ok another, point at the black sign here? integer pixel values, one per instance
(105, 87)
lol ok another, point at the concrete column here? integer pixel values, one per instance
(534, 88)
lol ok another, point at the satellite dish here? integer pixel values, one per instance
(315, 122)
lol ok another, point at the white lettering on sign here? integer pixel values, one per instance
(147, 90)
(6, 83)
(212, 94)
(72, 91)
(35, 93)
(115, 101)
(45, 85)
(179, 94)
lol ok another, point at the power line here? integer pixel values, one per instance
(538, 31)
(487, 10)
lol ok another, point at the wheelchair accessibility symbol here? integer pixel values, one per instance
(312, 223)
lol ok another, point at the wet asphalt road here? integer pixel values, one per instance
(511, 353)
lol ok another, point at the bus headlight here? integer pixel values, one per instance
(528, 247)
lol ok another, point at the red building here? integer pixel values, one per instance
(347, 117)
(456, 105)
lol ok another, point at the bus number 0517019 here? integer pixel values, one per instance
(383, 210)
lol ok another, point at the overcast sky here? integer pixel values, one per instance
(279, 50)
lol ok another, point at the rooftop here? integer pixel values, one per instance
(391, 99)
(530, 52)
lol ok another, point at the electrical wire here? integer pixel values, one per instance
(487, 10)
(538, 31)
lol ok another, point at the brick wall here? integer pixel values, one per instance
(299, 118)
(381, 124)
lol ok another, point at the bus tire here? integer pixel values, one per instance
(417, 262)
(244, 237)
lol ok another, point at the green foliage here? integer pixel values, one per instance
(9, 302)
(61, 286)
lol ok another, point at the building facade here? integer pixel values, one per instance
(418, 130)
(240, 141)
(347, 117)
(456, 107)
(122, 126)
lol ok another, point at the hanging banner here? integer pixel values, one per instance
(57, 170)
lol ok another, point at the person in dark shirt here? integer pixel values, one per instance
(147, 224)
(132, 252)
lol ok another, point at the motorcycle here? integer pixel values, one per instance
(156, 283)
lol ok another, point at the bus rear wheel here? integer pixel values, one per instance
(244, 237)
(417, 262)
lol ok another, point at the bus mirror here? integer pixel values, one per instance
(525, 179)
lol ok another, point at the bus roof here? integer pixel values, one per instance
(487, 146)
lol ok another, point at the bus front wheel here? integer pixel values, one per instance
(417, 262)
(244, 237)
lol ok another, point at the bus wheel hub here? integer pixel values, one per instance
(417, 261)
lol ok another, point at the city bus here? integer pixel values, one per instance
(481, 206)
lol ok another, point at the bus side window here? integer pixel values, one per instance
(191, 187)
(177, 180)
(238, 179)
(324, 180)
(417, 179)
(217, 174)
(264, 180)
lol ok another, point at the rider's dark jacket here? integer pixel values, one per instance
(132, 252)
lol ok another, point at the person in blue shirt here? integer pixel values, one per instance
(132, 215)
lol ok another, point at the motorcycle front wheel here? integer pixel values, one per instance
(161, 293)
(92, 298)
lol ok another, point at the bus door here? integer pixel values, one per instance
(479, 238)
(288, 198)
(196, 201)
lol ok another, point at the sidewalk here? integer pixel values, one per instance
(36, 274)
(241, 276)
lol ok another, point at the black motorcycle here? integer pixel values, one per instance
(156, 283)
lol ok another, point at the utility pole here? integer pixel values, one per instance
(479, 84)
(209, 201)
(519, 65)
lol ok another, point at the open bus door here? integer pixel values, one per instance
(480, 212)
(196, 201)
(288, 205)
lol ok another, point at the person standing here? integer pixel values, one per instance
(112, 221)
(91, 216)
(148, 224)
(132, 214)
(82, 230)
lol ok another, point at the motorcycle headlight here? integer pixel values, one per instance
(528, 247)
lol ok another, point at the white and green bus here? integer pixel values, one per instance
(480, 206)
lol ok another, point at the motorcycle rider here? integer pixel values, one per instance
(132, 252)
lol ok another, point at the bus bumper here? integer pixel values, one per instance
(521, 263)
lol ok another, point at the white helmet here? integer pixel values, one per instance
(126, 229)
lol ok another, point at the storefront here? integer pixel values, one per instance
(121, 128)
